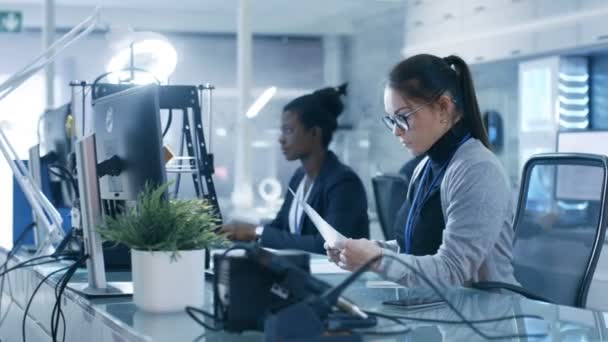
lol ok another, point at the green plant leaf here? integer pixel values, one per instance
(158, 224)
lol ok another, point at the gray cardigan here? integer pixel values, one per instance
(477, 240)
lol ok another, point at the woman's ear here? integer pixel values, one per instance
(446, 108)
(317, 131)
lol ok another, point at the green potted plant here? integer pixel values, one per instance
(167, 239)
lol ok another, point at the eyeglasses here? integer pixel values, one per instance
(400, 119)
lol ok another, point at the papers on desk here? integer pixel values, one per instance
(384, 284)
(324, 266)
(329, 233)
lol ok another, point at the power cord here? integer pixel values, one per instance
(397, 321)
(66, 175)
(10, 255)
(454, 322)
(60, 287)
(463, 319)
(194, 313)
(168, 124)
(29, 263)
(29, 303)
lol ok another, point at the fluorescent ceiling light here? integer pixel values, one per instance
(574, 113)
(573, 90)
(573, 78)
(257, 106)
(574, 102)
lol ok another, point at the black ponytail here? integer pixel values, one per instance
(320, 109)
(426, 77)
(471, 110)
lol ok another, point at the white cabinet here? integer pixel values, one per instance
(483, 6)
(593, 4)
(487, 30)
(547, 8)
(428, 20)
(429, 12)
(499, 47)
(496, 14)
(558, 38)
(594, 31)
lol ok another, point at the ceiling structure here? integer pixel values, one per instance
(307, 17)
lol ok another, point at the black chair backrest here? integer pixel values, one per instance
(390, 191)
(560, 225)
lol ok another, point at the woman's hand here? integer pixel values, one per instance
(352, 254)
(333, 254)
(238, 231)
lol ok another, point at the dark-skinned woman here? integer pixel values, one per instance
(330, 187)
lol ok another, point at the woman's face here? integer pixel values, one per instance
(427, 121)
(296, 140)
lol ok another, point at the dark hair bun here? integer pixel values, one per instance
(330, 99)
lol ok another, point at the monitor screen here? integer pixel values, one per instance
(56, 152)
(127, 126)
(590, 179)
(56, 134)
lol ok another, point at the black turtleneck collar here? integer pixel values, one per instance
(444, 148)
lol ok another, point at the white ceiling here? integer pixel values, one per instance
(267, 16)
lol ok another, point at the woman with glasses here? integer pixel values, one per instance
(457, 224)
(330, 187)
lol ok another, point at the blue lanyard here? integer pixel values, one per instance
(418, 202)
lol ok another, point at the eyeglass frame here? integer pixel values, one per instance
(393, 118)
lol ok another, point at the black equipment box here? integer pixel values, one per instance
(245, 292)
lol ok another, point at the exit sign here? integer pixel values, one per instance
(11, 21)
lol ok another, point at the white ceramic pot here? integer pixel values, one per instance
(163, 284)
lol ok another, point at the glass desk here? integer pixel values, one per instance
(117, 319)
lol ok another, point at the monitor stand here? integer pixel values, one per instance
(112, 289)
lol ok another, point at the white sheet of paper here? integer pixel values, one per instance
(324, 266)
(329, 233)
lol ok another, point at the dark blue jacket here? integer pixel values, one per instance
(337, 195)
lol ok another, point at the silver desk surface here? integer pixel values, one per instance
(118, 319)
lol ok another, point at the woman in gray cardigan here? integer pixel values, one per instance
(458, 224)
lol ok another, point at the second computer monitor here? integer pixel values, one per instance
(127, 126)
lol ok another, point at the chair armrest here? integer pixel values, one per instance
(495, 285)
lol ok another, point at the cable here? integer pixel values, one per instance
(178, 177)
(447, 321)
(29, 303)
(168, 125)
(28, 264)
(397, 321)
(426, 280)
(192, 311)
(102, 76)
(10, 255)
(65, 175)
(60, 287)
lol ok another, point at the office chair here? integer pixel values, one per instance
(390, 191)
(559, 227)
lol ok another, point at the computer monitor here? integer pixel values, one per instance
(590, 184)
(56, 154)
(127, 126)
(56, 134)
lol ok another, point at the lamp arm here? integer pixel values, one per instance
(47, 215)
(49, 55)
